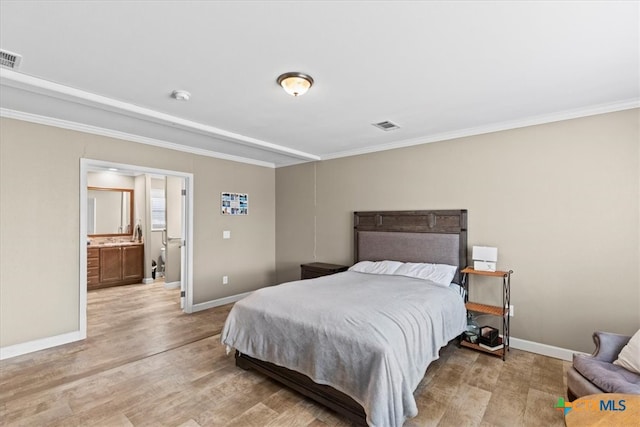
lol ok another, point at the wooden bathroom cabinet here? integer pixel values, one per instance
(116, 265)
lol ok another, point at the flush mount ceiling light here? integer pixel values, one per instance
(181, 95)
(295, 83)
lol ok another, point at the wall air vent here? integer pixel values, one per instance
(10, 59)
(386, 125)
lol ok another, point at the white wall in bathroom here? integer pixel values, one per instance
(109, 180)
(155, 241)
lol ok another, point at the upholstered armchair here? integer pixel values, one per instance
(596, 373)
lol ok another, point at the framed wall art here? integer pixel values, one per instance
(234, 204)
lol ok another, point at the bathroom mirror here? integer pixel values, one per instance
(109, 211)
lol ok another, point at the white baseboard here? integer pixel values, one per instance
(172, 285)
(44, 343)
(543, 349)
(147, 281)
(39, 344)
(219, 302)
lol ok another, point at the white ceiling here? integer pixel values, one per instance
(438, 69)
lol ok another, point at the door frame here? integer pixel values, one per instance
(186, 274)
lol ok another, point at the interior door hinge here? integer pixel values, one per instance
(184, 192)
(183, 294)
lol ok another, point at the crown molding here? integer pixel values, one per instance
(495, 127)
(56, 90)
(44, 87)
(80, 127)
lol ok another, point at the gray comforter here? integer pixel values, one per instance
(369, 336)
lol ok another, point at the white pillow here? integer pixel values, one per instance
(629, 357)
(440, 274)
(377, 267)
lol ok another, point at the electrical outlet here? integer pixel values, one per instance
(225, 280)
(511, 310)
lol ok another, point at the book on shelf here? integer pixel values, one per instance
(498, 346)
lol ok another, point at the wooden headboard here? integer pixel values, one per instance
(438, 237)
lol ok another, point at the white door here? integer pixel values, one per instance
(175, 208)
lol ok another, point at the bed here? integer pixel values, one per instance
(357, 342)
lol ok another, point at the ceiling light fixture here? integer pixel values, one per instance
(295, 83)
(181, 95)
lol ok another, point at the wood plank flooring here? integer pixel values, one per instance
(146, 363)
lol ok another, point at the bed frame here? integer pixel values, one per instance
(438, 236)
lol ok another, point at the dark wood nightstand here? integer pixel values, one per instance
(318, 269)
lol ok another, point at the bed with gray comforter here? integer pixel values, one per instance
(369, 336)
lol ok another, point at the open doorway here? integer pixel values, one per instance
(177, 235)
(168, 232)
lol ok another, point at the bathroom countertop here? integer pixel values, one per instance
(112, 244)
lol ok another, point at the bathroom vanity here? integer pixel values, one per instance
(114, 258)
(114, 264)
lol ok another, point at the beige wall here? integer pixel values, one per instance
(560, 201)
(39, 219)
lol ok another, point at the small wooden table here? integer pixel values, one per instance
(318, 269)
(606, 409)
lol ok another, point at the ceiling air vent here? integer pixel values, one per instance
(9, 59)
(386, 125)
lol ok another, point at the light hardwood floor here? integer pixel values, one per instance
(146, 363)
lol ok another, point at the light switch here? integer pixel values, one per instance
(226, 234)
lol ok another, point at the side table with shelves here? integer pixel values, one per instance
(494, 310)
(318, 269)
